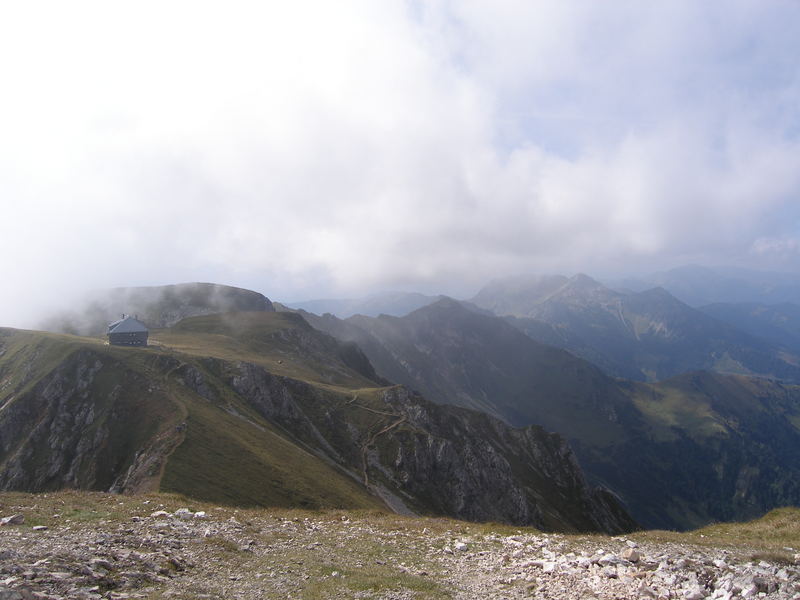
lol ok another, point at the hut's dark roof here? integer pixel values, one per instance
(127, 325)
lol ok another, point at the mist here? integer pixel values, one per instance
(317, 149)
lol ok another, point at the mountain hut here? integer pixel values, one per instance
(128, 331)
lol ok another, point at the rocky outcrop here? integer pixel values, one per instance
(82, 425)
(443, 459)
(485, 469)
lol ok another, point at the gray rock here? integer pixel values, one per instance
(764, 585)
(610, 572)
(694, 594)
(12, 520)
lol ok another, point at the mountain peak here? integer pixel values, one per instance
(584, 281)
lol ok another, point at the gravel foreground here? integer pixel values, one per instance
(92, 546)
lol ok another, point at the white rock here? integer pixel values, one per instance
(159, 513)
(608, 559)
(548, 566)
(749, 592)
(12, 520)
(460, 546)
(183, 513)
(200, 514)
(631, 555)
(631, 544)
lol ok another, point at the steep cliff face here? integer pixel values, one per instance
(94, 417)
(487, 469)
(80, 425)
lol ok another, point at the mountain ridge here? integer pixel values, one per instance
(219, 427)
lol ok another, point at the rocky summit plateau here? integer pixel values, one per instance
(91, 546)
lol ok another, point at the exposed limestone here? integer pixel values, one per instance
(174, 552)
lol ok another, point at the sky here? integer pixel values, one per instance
(331, 149)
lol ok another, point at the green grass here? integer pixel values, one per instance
(229, 453)
(227, 459)
(375, 579)
(778, 529)
(281, 342)
(667, 408)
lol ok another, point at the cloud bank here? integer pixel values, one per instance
(318, 148)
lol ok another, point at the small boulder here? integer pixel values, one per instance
(460, 546)
(631, 555)
(694, 594)
(12, 520)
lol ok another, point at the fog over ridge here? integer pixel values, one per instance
(334, 149)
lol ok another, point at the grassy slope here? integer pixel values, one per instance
(32, 359)
(221, 452)
(272, 340)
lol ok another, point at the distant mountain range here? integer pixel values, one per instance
(698, 286)
(646, 336)
(395, 304)
(689, 450)
(778, 324)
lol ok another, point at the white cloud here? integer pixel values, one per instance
(313, 147)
